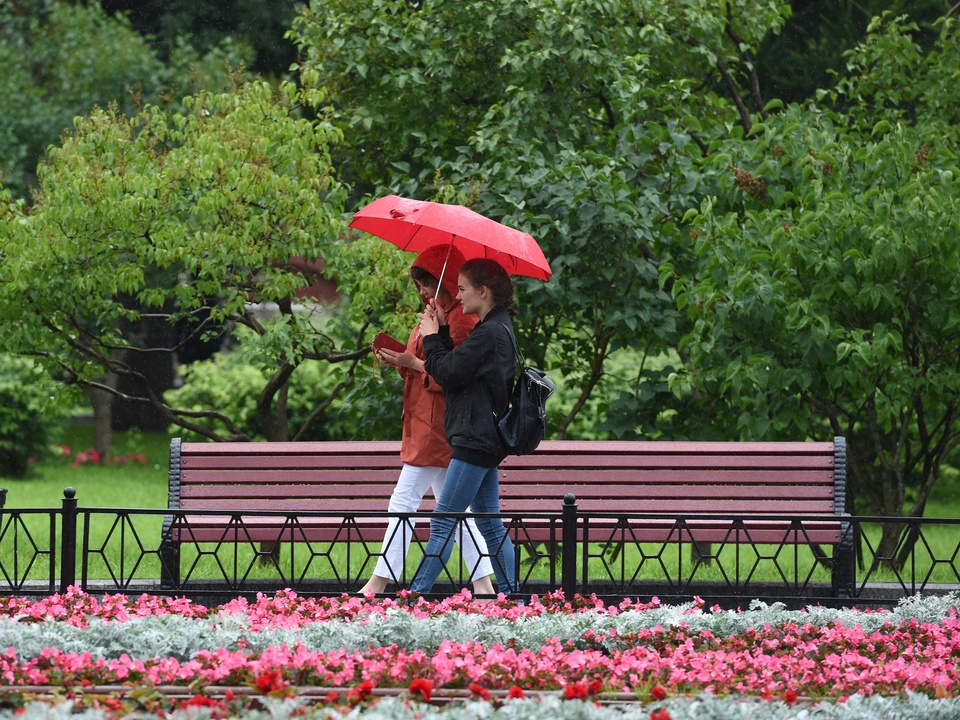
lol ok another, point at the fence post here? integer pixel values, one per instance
(568, 552)
(68, 539)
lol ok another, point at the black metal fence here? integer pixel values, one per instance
(112, 550)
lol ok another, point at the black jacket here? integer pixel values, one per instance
(477, 379)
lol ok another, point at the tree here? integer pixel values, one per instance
(808, 53)
(62, 60)
(206, 24)
(580, 123)
(825, 293)
(184, 217)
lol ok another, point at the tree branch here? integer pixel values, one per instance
(607, 107)
(748, 62)
(731, 87)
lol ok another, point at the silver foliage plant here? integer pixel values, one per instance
(181, 638)
(911, 707)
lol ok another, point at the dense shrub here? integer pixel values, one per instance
(27, 415)
(229, 382)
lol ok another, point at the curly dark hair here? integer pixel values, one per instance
(422, 276)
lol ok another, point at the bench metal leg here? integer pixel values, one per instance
(269, 554)
(844, 563)
(169, 566)
(169, 557)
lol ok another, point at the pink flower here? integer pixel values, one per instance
(822, 661)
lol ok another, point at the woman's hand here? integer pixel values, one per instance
(430, 319)
(400, 359)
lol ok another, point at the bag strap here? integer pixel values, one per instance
(521, 361)
(519, 366)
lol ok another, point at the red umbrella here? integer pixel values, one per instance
(415, 225)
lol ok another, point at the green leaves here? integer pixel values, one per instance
(200, 213)
(829, 301)
(575, 123)
(65, 61)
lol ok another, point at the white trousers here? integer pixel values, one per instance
(406, 498)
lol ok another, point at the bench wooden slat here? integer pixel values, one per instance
(598, 491)
(319, 463)
(542, 493)
(347, 506)
(515, 478)
(623, 451)
(322, 462)
(677, 447)
(671, 462)
(238, 478)
(689, 467)
(350, 506)
(698, 506)
(210, 529)
(646, 477)
(551, 447)
(360, 448)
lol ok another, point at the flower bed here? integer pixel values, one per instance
(407, 658)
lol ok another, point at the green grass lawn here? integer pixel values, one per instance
(132, 485)
(115, 484)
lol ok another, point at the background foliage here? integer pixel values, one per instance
(727, 263)
(258, 24)
(825, 297)
(28, 418)
(592, 147)
(62, 60)
(188, 217)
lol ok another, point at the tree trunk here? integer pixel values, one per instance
(102, 402)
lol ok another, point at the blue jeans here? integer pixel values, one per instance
(467, 486)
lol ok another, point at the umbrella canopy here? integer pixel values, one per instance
(415, 225)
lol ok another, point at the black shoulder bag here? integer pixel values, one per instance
(524, 424)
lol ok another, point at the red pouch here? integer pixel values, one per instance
(383, 340)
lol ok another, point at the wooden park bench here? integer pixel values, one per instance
(696, 493)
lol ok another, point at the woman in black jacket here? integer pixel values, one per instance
(477, 379)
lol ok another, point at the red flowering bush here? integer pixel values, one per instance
(479, 691)
(92, 457)
(271, 682)
(421, 687)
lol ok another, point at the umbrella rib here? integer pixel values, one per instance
(453, 239)
(417, 228)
